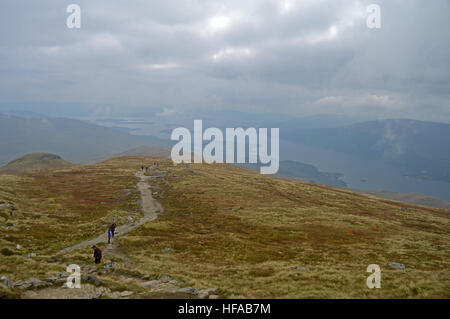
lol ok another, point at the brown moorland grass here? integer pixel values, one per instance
(230, 228)
(245, 233)
(60, 207)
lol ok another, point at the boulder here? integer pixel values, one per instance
(91, 279)
(205, 293)
(37, 283)
(62, 274)
(167, 250)
(164, 278)
(97, 295)
(24, 286)
(397, 265)
(152, 284)
(59, 280)
(209, 291)
(6, 281)
(126, 293)
(301, 268)
(108, 265)
(188, 290)
(51, 279)
(9, 283)
(202, 295)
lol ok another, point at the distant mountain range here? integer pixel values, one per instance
(421, 148)
(72, 139)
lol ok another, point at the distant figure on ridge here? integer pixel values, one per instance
(109, 235)
(97, 254)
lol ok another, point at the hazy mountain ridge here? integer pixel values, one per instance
(422, 148)
(72, 139)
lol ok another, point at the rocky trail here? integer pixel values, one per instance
(150, 210)
(151, 286)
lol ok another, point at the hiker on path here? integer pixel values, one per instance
(97, 254)
(113, 229)
(109, 235)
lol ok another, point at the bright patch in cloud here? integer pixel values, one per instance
(160, 66)
(105, 41)
(232, 52)
(286, 6)
(333, 31)
(219, 23)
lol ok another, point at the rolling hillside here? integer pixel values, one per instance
(34, 161)
(242, 233)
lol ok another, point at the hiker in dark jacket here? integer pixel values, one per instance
(109, 235)
(113, 229)
(97, 254)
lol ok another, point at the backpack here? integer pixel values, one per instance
(99, 251)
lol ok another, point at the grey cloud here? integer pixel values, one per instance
(156, 54)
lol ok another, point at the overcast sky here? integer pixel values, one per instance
(296, 57)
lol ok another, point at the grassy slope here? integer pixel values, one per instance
(34, 161)
(57, 208)
(233, 229)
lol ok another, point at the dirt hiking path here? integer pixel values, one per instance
(150, 209)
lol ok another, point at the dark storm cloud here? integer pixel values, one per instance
(296, 57)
